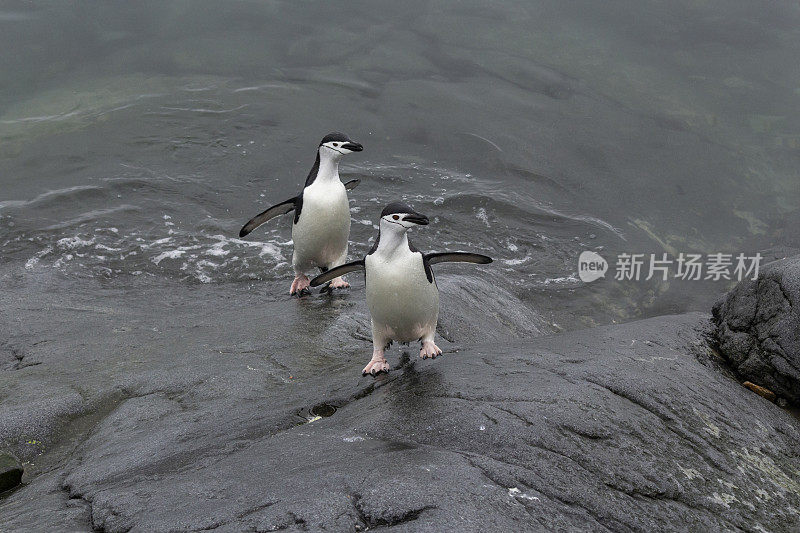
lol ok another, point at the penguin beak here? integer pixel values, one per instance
(416, 218)
(353, 147)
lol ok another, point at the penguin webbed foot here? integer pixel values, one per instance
(376, 365)
(429, 350)
(300, 286)
(337, 283)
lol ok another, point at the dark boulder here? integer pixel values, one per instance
(758, 328)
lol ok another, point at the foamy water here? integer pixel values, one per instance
(139, 147)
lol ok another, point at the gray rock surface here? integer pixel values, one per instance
(758, 328)
(10, 472)
(151, 424)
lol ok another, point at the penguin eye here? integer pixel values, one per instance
(396, 217)
(336, 145)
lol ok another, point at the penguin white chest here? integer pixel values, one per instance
(403, 304)
(322, 230)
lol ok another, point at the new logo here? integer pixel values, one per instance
(591, 266)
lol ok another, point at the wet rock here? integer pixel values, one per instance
(758, 328)
(473, 310)
(617, 428)
(10, 472)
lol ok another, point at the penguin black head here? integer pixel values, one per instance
(337, 144)
(400, 214)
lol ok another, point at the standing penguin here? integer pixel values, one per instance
(321, 215)
(402, 295)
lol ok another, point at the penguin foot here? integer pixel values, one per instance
(300, 285)
(429, 349)
(338, 283)
(376, 365)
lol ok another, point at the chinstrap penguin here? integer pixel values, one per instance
(321, 227)
(402, 295)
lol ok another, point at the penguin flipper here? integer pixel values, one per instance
(274, 211)
(457, 257)
(350, 185)
(341, 270)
